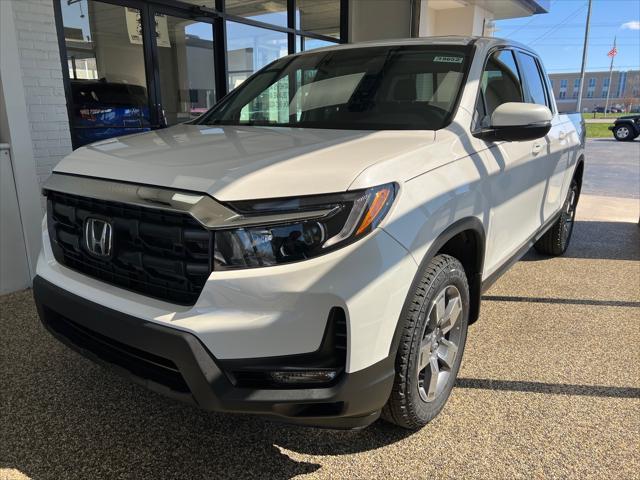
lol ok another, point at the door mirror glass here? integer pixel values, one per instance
(515, 121)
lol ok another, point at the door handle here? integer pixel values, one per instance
(537, 147)
(562, 135)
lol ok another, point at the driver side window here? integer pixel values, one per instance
(500, 83)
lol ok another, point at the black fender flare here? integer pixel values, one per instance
(475, 277)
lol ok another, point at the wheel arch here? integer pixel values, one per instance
(451, 241)
(578, 172)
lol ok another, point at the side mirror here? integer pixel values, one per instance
(514, 121)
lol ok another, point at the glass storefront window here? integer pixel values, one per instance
(267, 11)
(319, 16)
(185, 58)
(251, 48)
(304, 44)
(106, 69)
(201, 3)
(107, 59)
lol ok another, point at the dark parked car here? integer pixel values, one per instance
(626, 128)
(104, 109)
(609, 110)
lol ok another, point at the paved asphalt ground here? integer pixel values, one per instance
(549, 388)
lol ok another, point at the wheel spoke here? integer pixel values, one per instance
(434, 370)
(451, 314)
(572, 196)
(425, 353)
(447, 352)
(440, 307)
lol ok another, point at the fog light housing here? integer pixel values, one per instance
(292, 377)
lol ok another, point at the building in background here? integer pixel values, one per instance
(624, 91)
(77, 71)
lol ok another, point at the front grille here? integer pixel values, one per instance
(157, 253)
(138, 362)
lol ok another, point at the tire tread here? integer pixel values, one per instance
(398, 409)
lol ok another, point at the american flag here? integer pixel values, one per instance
(613, 52)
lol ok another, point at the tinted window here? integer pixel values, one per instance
(500, 81)
(356, 88)
(533, 80)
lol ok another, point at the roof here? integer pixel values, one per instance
(485, 42)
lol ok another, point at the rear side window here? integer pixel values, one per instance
(535, 92)
(500, 82)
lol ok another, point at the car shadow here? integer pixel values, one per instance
(599, 240)
(65, 417)
(607, 139)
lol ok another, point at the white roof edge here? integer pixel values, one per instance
(486, 42)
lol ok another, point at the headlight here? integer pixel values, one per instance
(351, 216)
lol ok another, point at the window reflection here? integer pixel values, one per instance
(251, 48)
(308, 43)
(106, 68)
(319, 16)
(270, 11)
(187, 77)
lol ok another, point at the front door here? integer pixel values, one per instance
(517, 185)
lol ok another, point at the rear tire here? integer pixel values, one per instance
(623, 133)
(556, 240)
(431, 346)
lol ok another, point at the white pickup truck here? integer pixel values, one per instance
(315, 246)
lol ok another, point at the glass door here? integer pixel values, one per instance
(185, 69)
(108, 92)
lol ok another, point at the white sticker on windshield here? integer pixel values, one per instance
(448, 59)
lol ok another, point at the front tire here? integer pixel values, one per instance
(431, 346)
(623, 133)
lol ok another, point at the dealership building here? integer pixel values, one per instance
(155, 63)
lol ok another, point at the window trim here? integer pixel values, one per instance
(548, 85)
(477, 127)
(541, 74)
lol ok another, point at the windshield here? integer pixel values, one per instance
(373, 88)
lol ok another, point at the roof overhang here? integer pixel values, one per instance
(500, 9)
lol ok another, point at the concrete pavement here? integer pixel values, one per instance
(549, 387)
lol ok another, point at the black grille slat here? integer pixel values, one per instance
(157, 253)
(139, 362)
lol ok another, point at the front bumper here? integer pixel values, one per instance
(274, 311)
(175, 363)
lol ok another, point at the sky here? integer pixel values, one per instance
(558, 36)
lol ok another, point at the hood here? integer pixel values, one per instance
(241, 163)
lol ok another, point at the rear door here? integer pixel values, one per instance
(553, 161)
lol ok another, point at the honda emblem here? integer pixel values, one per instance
(98, 237)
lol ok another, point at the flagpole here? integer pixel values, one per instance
(606, 105)
(584, 59)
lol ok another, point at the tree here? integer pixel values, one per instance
(631, 94)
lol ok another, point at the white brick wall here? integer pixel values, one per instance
(42, 80)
